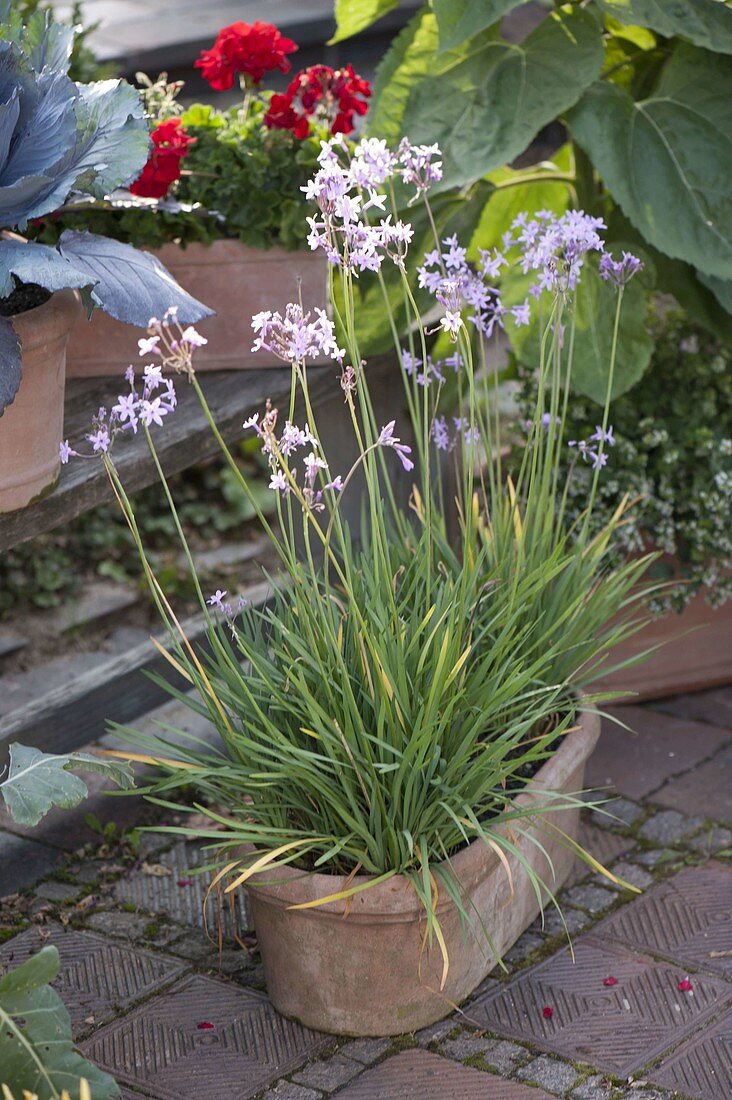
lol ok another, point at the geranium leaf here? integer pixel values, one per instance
(10, 368)
(37, 1052)
(37, 781)
(721, 289)
(461, 19)
(131, 286)
(353, 16)
(484, 109)
(665, 158)
(704, 22)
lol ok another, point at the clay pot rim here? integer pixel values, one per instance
(395, 899)
(49, 320)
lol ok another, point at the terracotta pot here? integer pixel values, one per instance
(695, 653)
(230, 277)
(32, 427)
(357, 967)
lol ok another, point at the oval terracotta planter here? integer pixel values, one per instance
(230, 277)
(357, 967)
(32, 427)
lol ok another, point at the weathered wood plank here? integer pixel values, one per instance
(70, 716)
(186, 439)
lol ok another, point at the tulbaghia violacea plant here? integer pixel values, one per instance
(403, 679)
(59, 141)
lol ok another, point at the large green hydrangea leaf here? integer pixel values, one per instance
(37, 1053)
(353, 16)
(484, 104)
(461, 19)
(704, 22)
(666, 159)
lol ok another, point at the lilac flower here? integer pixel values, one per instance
(294, 337)
(130, 375)
(492, 262)
(462, 426)
(217, 599)
(546, 420)
(126, 409)
(419, 165)
(336, 484)
(191, 336)
(294, 437)
(373, 163)
(441, 434)
(602, 436)
(619, 271)
(65, 452)
(599, 459)
(279, 482)
(554, 247)
(153, 376)
(152, 412)
(388, 439)
(521, 314)
(99, 440)
(149, 345)
(451, 322)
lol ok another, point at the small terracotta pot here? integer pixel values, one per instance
(695, 653)
(360, 967)
(32, 427)
(230, 277)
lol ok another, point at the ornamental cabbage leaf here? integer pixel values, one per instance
(37, 1052)
(58, 141)
(37, 781)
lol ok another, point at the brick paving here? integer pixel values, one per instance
(139, 975)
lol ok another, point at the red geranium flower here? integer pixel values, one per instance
(320, 92)
(547, 1012)
(170, 144)
(252, 49)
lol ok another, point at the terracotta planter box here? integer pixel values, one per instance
(230, 277)
(32, 427)
(357, 967)
(686, 662)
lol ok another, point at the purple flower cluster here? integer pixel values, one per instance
(173, 345)
(554, 247)
(619, 271)
(456, 285)
(592, 449)
(283, 477)
(420, 165)
(148, 406)
(346, 191)
(295, 337)
(429, 371)
(446, 439)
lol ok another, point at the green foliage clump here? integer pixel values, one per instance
(673, 450)
(240, 181)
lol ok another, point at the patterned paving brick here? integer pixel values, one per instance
(637, 763)
(182, 896)
(705, 791)
(713, 706)
(702, 1068)
(617, 1028)
(687, 919)
(97, 978)
(161, 1047)
(419, 1075)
